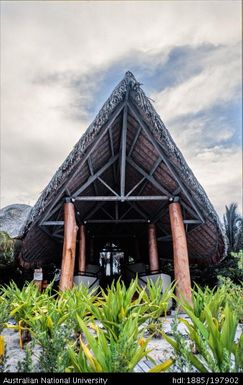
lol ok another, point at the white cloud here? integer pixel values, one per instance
(218, 82)
(48, 46)
(218, 170)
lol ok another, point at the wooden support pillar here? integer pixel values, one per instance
(82, 249)
(180, 252)
(153, 248)
(69, 247)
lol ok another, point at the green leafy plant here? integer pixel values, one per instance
(26, 365)
(51, 328)
(214, 341)
(182, 362)
(106, 352)
(3, 356)
(113, 308)
(233, 295)
(4, 312)
(156, 302)
(7, 250)
(76, 301)
(22, 301)
(215, 299)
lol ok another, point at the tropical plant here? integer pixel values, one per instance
(157, 302)
(113, 308)
(182, 362)
(7, 249)
(3, 356)
(213, 298)
(22, 301)
(75, 302)
(233, 223)
(213, 340)
(4, 312)
(107, 352)
(51, 328)
(239, 258)
(233, 294)
(26, 365)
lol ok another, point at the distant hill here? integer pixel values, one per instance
(13, 219)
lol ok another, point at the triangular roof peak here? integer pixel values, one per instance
(143, 120)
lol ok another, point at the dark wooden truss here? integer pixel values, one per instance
(116, 190)
(125, 171)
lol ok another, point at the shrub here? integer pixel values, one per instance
(213, 341)
(107, 352)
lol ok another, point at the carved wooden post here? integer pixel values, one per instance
(153, 248)
(69, 246)
(82, 249)
(181, 260)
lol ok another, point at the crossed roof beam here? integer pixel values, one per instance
(122, 159)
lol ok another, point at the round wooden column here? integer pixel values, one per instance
(153, 248)
(69, 247)
(82, 249)
(180, 252)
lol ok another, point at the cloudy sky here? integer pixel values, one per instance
(61, 60)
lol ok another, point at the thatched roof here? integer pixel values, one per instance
(172, 175)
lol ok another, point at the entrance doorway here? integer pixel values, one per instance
(111, 261)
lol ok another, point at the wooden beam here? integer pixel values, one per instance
(166, 238)
(158, 147)
(192, 221)
(180, 252)
(139, 211)
(153, 248)
(126, 212)
(107, 186)
(139, 220)
(107, 213)
(123, 153)
(150, 178)
(69, 247)
(136, 186)
(96, 207)
(95, 176)
(112, 154)
(82, 249)
(91, 170)
(53, 223)
(97, 140)
(134, 141)
(108, 198)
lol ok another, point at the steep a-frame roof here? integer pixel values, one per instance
(126, 151)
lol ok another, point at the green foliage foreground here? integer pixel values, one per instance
(79, 331)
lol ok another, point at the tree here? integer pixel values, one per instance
(233, 224)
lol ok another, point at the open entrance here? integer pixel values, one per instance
(111, 261)
(115, 250)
